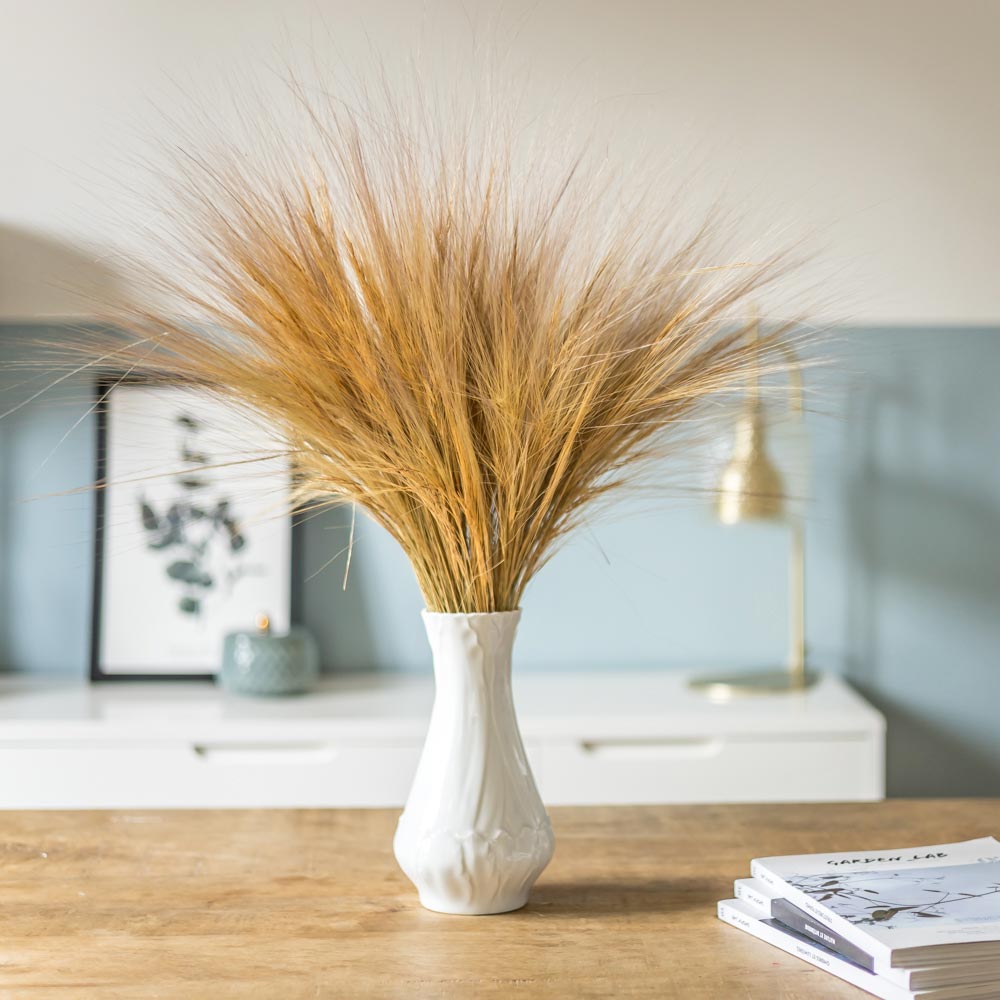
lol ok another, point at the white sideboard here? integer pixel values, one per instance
(592, 738)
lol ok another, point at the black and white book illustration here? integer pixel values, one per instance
(957, 895)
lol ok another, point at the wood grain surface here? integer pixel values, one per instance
(293, 904)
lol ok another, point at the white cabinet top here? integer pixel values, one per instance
(386, 707)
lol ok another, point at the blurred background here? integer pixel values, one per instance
(865, 131)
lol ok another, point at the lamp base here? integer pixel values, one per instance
(742, 685)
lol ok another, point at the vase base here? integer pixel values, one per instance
(461, 908)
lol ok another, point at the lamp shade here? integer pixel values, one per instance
(751, 487)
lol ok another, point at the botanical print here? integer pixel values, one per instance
(198, 531)
(903, 898)
(197, 538)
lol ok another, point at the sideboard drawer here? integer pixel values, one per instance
(205, 775)
(802, 768)
(355, 741)
(232, 774)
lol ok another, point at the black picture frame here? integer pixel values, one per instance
(104, 388)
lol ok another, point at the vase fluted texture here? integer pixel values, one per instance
(474, 835)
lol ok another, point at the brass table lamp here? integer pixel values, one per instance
(753, 489)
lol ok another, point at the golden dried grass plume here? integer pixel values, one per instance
(472, 352)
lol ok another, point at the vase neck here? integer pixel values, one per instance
(472, 648)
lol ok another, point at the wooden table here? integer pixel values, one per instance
(309, 904)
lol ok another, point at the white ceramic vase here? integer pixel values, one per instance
(474, 836)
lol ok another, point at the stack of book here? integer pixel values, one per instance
(917, 922)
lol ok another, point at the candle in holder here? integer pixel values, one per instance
(259, 662)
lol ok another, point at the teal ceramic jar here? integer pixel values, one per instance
(259, 662)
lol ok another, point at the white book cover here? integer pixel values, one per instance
(747, 918)
(894, 903)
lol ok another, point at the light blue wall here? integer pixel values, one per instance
(903, 544)
(46, 543)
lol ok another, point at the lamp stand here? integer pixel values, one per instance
(795, 678)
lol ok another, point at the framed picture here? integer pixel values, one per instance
(193, 533)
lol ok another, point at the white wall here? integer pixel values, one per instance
(867, 128)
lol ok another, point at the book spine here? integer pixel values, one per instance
(812, 954)
(881, 953)
(751, 892)
(745, 891)
(802, 923)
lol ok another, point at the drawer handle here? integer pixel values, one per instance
(679, 748)
(264, 753)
